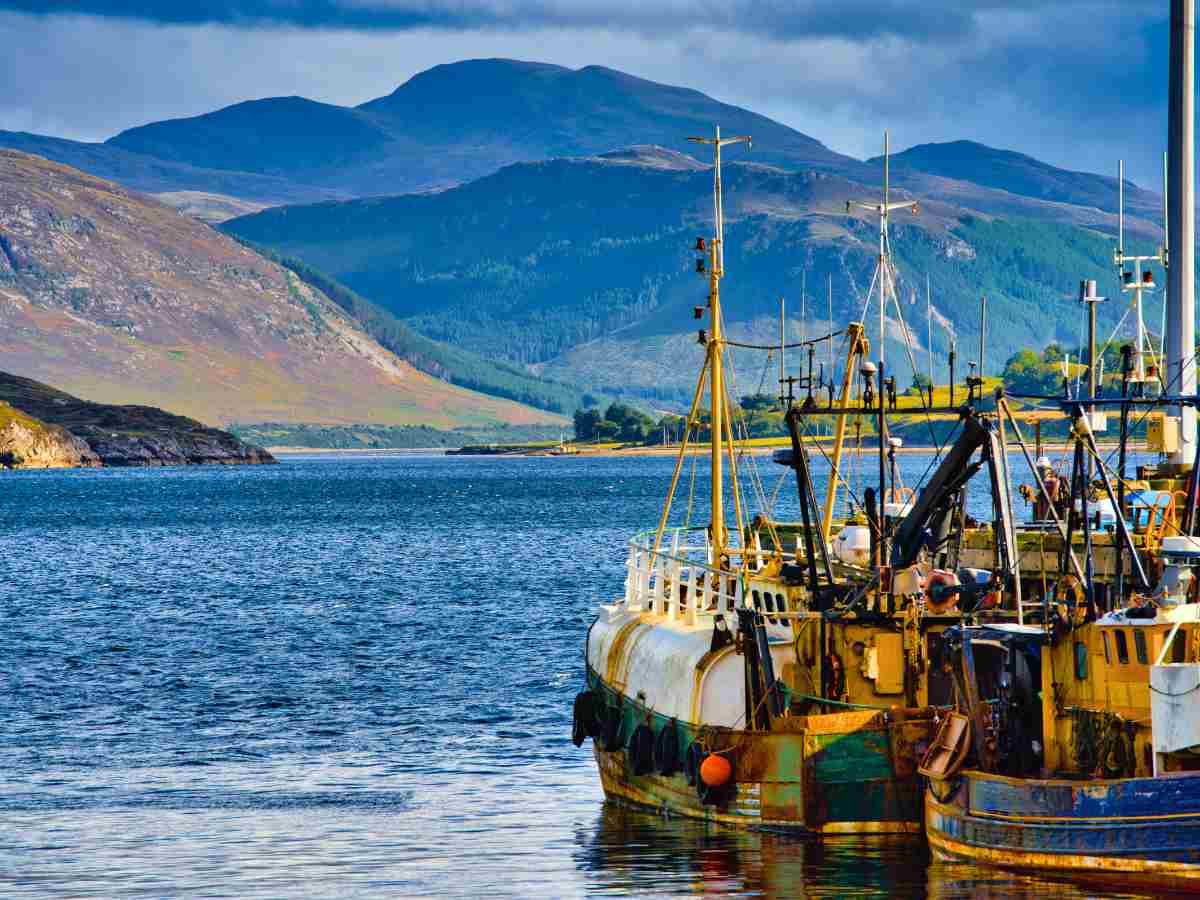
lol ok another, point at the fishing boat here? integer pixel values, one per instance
(779, 674)
(1073, 744)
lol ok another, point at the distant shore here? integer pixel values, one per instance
(612, 452)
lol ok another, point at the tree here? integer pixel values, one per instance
(587, 423)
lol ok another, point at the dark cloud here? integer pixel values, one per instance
(1078, 84)
(781, 18)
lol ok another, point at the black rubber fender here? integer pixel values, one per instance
(611, 738)
(640, 752)
(666, 750)
(691, 763)
(583, 718)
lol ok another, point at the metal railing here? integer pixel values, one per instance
(679, 582)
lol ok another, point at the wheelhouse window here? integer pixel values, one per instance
(1122, 647)
(1107, 655)
(1179, 646)
(1139, 644)
(1081, 654)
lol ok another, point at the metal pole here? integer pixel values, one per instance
(1181, 225)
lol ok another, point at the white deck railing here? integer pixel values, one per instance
(678, 580)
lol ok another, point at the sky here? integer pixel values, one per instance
(1079, 83)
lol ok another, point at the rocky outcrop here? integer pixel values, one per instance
(45, 427)
(183, 449)
(26, 443)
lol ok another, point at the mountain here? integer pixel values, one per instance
(105, 434)
(1016, 173)
(456, 122)
(120, 299)
(151, 175)
(583, 269)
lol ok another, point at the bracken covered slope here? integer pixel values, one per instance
(121, 299)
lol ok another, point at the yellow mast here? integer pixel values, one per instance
(858, 347)
(718, 539)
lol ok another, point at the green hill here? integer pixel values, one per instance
(583, 267)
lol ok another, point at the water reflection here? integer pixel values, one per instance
(630, 852)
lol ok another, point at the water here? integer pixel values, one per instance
(349, 677)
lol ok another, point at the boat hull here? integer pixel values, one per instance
(846, 773)
(1141, 830)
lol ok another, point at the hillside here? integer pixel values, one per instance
(582, 267)
(120, 299)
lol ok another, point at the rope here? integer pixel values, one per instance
(769, 347)
(842, 703)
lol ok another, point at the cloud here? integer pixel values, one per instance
(1048, 80)
(783, 18)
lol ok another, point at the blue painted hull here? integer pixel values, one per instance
(1135, 829)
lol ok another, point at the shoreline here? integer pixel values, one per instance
(616, 452)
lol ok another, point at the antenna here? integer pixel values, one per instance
(829, 298)
(1121, 207)
(883, 275)
(782, 348)
(1134, 280)
(929, 332)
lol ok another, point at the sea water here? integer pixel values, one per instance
(350, 676)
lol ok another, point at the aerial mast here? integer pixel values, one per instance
(883, 278)
(718, 539)
(1135, 281)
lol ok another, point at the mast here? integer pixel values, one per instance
(1181, 224)
(887, 288)
(718, 539)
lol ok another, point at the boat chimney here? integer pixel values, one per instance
(1181, 224)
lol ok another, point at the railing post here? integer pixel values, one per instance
(693, 597)
(659, 592)
(675, 594)
(631, 576)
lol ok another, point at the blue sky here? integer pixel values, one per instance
(1078, 84)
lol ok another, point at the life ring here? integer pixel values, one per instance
(640, 750)
(583, 718)
(940, 605)
(1071, 600)
(666, 750)
(611, 737)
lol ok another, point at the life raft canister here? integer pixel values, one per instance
(936, 601)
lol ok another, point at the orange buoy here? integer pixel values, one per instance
(715, 770)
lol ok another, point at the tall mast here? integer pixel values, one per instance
(883, 278)
(718, 539)
(1181, 224)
